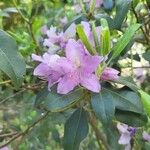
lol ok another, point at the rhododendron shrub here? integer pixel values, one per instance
(71, 75)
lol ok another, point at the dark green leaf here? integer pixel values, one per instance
(131, 118)
(76, 20)
(130, 84)
(126, 100)
(76, 129)
(107, 100)
(55, 102)
(122, 8)
(113, 137)
(103, 106)
(10, 62)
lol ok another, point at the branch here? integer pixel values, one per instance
(99, 135)
(26, 131)
(137, 19)
(29, 23)
(146, 67)
(5, 82)
(8, 134)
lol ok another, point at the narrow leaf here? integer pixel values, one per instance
(84, 39)
(96, 40)
(131, 118)
(122, 7)
(122, 43)
(105, 37)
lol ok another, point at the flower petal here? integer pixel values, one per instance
(50, 60)
(70, 32)
(110, 74)
(90, 82)
(42, 70)
(123, 128)
(128, 147)
(125, 139)
(90, 63)
(146, 136)
(74, 51)
(53, 78)
(47, 43)
(67, 83)
(98, 3)
(37, 58)
(64, 65)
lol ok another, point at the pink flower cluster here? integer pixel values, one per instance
(78, 9)
(128, 133)
(76, 67)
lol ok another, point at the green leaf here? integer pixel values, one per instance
(76, 20)
(148, 3)
(103, 106)
(84, 39)
(92, 6)
(105, 38)
(145, 98)
(122, 43)
(10, 61)
(131, 118)
(135, 3)
(122, 8)
(126, 100)
(130, 84)
(76, 129)
(105, 103)
(51, 100)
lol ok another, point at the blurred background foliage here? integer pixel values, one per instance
(23, 19)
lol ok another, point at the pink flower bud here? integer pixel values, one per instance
(109, 74)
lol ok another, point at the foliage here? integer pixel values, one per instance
(33, 117)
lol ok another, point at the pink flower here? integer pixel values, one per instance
(146, 136)
(110, 74)
(126, 135)
(78, 8)
(78, 67)
(60, 39)
(47, 69)
(98, 2)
